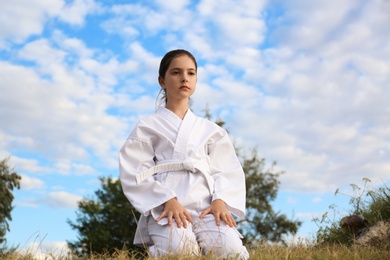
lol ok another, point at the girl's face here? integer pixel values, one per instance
(180, 79)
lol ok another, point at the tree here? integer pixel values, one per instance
(105, 223)
(261, 222)
(9, 180)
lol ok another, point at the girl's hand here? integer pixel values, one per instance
(174, 210)
(219, 210)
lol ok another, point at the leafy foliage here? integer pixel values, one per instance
(373, 204)
(330, 232)
(105, 224)
(9, 180)
(379, 206)
(262, 222)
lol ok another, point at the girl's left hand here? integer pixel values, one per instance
(220, 212)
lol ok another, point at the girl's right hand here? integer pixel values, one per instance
(173, 210)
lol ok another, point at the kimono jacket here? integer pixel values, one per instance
(191, 159)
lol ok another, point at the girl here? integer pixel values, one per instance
(181, 173)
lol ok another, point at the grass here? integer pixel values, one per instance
(324, 252)
(332, 241)
(263, 252)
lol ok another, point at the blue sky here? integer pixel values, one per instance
(306, 83)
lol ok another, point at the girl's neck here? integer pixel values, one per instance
(179, 108)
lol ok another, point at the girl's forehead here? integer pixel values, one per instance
(182, 61)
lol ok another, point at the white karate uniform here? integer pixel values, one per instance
(190, 159)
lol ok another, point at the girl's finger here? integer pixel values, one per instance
(234, 222)
(205, 212)
(170, 216)
(226, 220)
(163, 214)
(188, 217)
(217, 219)
(183, 220)
(177, 219)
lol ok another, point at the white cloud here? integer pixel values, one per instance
(305, 83)
(27, 202)
(75, 12)
(28, 165)
(42, 102)
(41, 52)
(230, 24)
(20, 19)
(316, 200)
(311, 23)
(29, 183)
(61, 200)
(132, 20)
(241, 30)
(308, 87)
(173, 5)
(71, 45)
(82, 169)
(244, 7)
(323, 100)
(147, 71)
(121, 26)
(67, 167)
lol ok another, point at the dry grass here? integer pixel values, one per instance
(263, 252)
(323, 252)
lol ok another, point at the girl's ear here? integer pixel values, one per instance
(161, 82)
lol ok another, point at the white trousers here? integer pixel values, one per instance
(201, 237)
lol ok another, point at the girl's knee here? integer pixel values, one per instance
(179, 241)
(226, 250)
(226, 244)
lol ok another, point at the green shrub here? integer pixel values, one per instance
(372, 204)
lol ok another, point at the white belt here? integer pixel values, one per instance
(171, 167)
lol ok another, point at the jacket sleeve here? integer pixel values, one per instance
(229, 177)
(136, 156)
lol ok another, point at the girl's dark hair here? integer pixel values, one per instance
(169, 56)
(164, 65)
